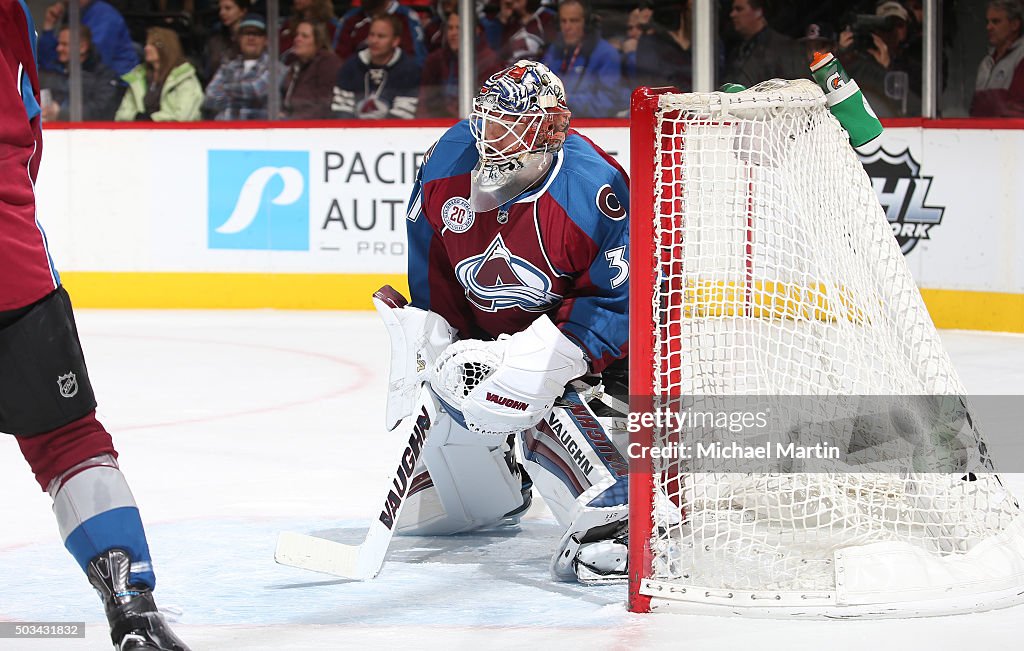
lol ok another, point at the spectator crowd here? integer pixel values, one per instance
(374, 59)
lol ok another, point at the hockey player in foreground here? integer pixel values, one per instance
(46, 399)
(518, 270)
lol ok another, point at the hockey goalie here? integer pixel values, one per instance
(518, 272)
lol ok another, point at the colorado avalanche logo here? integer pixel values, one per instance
(498, 280)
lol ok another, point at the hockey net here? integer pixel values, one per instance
(763, 268)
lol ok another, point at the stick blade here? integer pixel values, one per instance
(321, 555)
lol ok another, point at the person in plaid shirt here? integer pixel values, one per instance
(239, 89)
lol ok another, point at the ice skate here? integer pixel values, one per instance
(604, 560)
(135, 622)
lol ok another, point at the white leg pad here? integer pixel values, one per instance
(464, 482)
(573, 462)
(579, 471)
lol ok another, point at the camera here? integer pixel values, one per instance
(864, 25)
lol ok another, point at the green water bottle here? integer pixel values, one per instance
(845, 99)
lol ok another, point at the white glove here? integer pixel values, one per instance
(509, 385)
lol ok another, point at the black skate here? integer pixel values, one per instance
(135, 623)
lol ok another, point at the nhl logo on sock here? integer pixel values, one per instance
(68, 384)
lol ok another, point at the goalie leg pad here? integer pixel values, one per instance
(573, 461)
(463, 483)
(582, 476)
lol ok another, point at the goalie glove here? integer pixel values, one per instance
(417, 339)
(506, 386)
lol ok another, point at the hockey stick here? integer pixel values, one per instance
(364, 561)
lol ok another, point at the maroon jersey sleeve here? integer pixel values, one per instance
(28, 273)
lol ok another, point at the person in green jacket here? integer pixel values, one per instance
(165, 88)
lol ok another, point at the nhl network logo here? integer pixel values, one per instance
(68, 384)
(902, 191)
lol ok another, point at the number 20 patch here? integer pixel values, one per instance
(457, 215)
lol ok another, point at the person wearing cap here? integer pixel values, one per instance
(999, 89)
(818, 37)
(882, 69)
(241, 86)
(763, 53)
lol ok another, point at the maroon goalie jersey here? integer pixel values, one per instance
(26, 271)
(560, 249)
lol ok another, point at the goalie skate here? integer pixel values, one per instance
(604, 561)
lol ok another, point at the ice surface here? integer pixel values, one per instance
(233, 426)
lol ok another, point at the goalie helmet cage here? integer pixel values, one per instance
(762, 264)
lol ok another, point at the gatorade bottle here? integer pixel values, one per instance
(845, 99)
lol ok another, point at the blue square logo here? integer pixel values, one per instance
(258, 200)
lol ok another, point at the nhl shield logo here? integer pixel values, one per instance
(68, 384)
(902, 191)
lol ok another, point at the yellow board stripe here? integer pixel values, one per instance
(949, 308)
(155, 290)
(770, 299)
(966, 310)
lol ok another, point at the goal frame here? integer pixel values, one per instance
(905, 571)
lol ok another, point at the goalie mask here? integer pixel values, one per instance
(519, 121)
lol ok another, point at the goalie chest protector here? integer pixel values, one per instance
(523, 259)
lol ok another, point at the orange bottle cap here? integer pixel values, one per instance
(820, 59)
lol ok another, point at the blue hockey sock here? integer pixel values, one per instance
(96, 512)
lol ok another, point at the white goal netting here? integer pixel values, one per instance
(778, 276)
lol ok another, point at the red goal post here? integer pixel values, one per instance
(644, 104)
